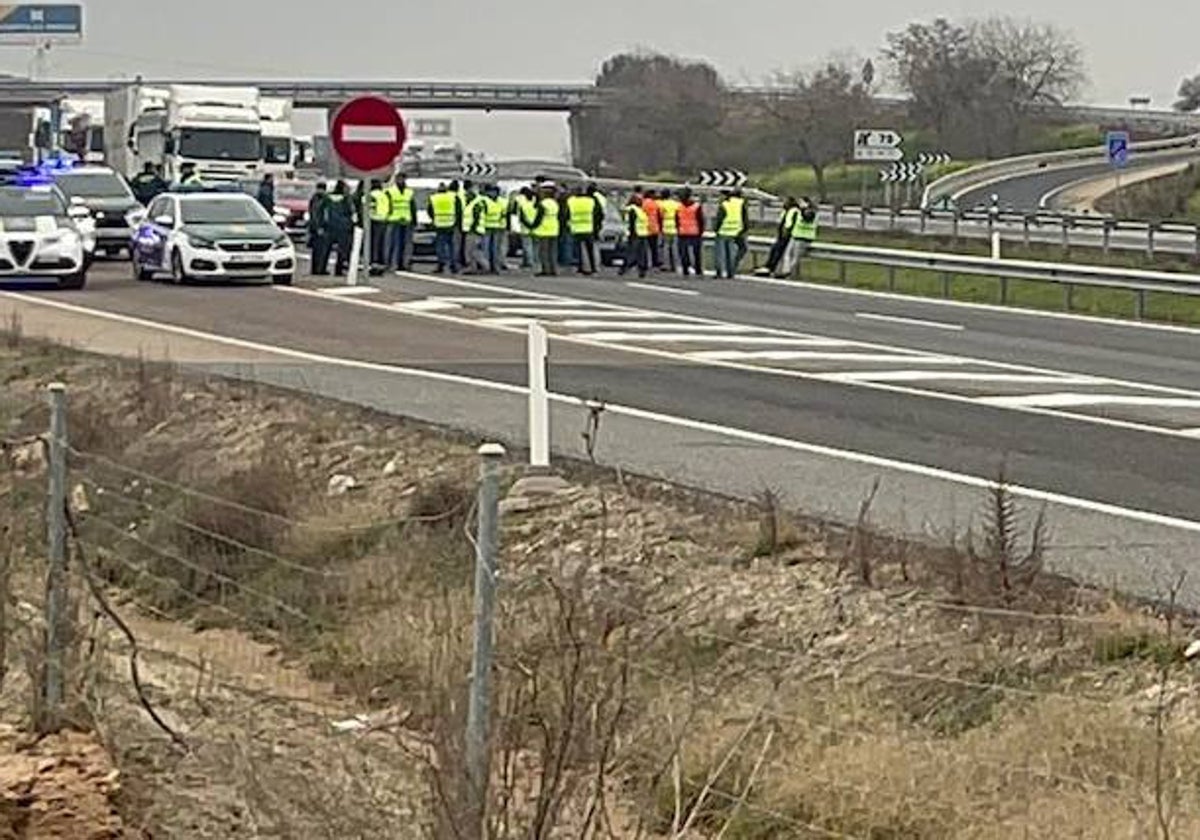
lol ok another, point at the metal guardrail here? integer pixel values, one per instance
(1068, 275)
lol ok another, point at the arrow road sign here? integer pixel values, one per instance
(1117, 144)
(368, 133)
(479, 169)
(722, 178)
(933, 158)
(902, 172)
(877, 144)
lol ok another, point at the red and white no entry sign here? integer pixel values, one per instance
(368, 133)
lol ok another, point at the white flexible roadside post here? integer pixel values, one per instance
(539, 399)
(356, 240)
(996, 245)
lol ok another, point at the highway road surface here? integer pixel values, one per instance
(737, 385)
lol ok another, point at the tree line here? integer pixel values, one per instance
(973, 89)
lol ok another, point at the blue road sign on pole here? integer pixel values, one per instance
(39, 21)
(1118, 148)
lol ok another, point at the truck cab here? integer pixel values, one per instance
(278, 144)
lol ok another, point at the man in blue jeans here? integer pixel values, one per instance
(445, 209)
(731, 224)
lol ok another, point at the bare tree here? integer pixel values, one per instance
(1189, 94)
(815, 114)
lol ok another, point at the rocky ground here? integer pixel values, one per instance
(298, 577)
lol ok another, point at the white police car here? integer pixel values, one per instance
(40, 238)
(211, 235)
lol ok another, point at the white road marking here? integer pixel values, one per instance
(350, 291)
(819, 356)
(516, 299)
(669, 290)
(701, 338)
(561, 313)
(734, 364)
(585, 323)
(959, 376)
(1079, 503)
(1072, 400)
(427, 305)
(916, 322)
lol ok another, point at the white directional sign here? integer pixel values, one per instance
(877, 144)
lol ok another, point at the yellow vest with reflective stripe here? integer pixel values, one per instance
(670, 215)
(548, 228)
(525, 211)
(582, 212)
(641, 219)
(379, 205)
(401, 210)
(790, 216)
(443, 206)
(731, 225)
(495, 213)
(469, 212)
(804, 230)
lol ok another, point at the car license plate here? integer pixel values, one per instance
(244, 258)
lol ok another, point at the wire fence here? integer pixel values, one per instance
(309, 673)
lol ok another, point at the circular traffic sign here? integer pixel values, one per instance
(368, 133)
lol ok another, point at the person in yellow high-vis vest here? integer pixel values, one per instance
(803, 235)
(524, 208)
(495, 223)
(379, 208)
(402, 216)
(731, 224)
(637, 236)
(445, 211)
(474, 230)
(584, 218)
(545, 229)
(669, 206)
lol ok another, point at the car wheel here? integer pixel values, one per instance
(139, 273)
(282, 279)
(178, 275)
(74, 281)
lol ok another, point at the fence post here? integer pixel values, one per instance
(1150, 240)
(1003, 291)
(1025, 235)
(478, 709)
(996, 245)
(862, 217)
(1139, 304)
(1069, 296)
(539, 399)
(946, 284)
(955, 233)
(53, 680)
(1066, 236)
(1107, 236)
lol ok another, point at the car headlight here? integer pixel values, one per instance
(200, 242)
(135, 216)
(281, 240)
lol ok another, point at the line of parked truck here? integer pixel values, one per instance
(228, 133)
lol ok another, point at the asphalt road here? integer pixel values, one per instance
(1025, 192)
(1094, 411)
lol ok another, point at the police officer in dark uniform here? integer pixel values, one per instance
(318, 234)
(339, 222)
(147, 184)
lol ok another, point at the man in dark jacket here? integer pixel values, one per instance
(318, 235)
(147, 184)
(266, 193)
(339, 222)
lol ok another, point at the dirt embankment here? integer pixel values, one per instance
(298, 575)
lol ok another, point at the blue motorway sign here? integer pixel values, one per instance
(1118, 148)
(41, 20)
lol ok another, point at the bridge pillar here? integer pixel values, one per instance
(575, 127)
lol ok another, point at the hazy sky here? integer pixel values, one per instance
(1142, 48)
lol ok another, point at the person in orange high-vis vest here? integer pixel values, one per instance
(654, 216)
(690, 218)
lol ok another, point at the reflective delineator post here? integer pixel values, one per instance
(996, 245)
(539, 399)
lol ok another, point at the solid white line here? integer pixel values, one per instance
(701, 338)
(818, 356)
(426, 305)
(958, 376)
(515, 300)
(916, 322)
(1078, 503)
(553, 311)
(1068, 399)
(585, 323)
(667, 289)
(350, 291)
(369, 134)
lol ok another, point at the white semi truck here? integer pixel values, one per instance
(216, 128)
(278, 142)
